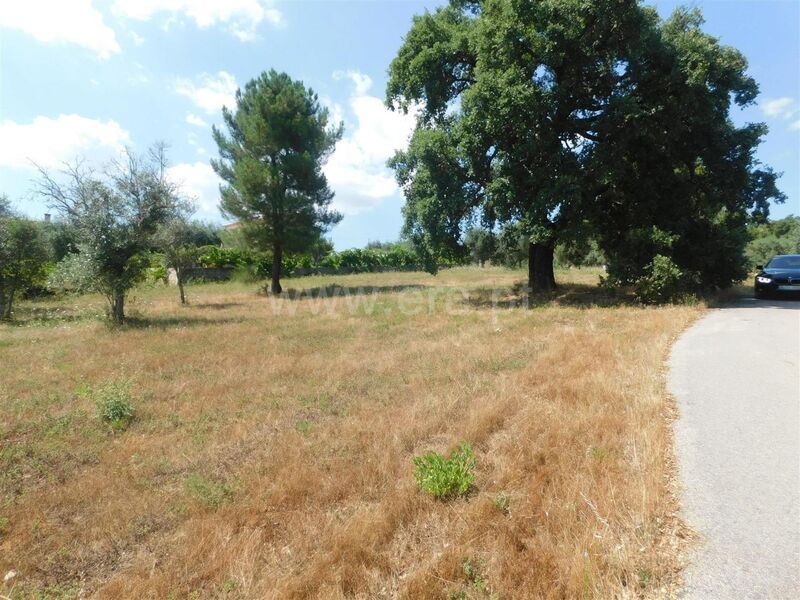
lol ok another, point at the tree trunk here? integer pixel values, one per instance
(179, 277)
(277, 255)
(9, 302)
(2, 303)
(541, 277)
(118, 306)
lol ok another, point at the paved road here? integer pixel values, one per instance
(736, 376)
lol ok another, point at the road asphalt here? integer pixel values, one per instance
(736, 377)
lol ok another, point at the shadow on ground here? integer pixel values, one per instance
(39, 316)
(741, 296)
(785, 302)
(576, 295)
(139, 322)
(216, 305)
(335, 290)
(50, 316)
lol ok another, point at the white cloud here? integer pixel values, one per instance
(241, 18)
(335, 110)
(66, 21)
(782, 108)
(195, 120)
(199, 181)
(795, 125)
(357, 169)
(211, 93)
(50, 142)
(362, 82)
(137, 39)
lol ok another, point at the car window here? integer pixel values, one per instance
(784, 262)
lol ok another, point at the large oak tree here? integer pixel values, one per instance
(562, 117)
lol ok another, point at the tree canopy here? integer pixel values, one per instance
(770, 238)
(575, 117)
(271, 161)
(24, 255)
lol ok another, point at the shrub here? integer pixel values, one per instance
(446, 477)
(72, 274)
(662, 281)
(216, 258)
(114, 404)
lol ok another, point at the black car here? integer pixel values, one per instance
(780, 275)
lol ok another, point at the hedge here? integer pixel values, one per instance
(347, 261)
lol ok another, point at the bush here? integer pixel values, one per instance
(114, 404)
(663, 281)
(446, 477)
(214, 257)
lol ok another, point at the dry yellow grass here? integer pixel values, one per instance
(271, 453)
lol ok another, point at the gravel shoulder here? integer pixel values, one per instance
(736, 378)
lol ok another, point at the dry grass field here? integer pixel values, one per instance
(271, 451)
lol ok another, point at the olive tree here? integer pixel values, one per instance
(175, 240)
(117, 211)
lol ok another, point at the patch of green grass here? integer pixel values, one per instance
(446, 477)
(66, 424)
(51, 592)
(202, 428)
(303, 426)
(211, 493)
(318, 400)
(599, 453)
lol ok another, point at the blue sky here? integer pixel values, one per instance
(86, 77)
